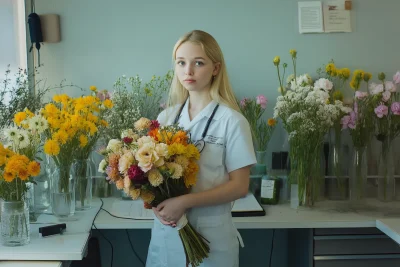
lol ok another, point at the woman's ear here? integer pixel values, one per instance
(217, 67)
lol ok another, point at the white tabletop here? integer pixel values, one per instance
(30, 264)
(71, 245)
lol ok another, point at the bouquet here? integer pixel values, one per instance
(261, 129)
(157, 163)
(307, 115)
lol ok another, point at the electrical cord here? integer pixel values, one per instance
(112, 247)
(272, 248)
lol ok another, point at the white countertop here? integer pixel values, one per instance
(391, 227)
(30, 264)
(71, 245)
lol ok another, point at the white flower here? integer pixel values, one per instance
(324, 84)
(102, 166)
(125, 162)
(114, 145)
(23, 139)
(144, 140)
(376, 88)
(290, 78)
(12, 134)
(389, 86)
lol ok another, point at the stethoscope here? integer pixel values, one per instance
(200, 144)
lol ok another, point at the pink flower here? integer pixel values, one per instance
(349, 121)
(396, 78)
(345, 121)
(243, 102)
(385, 96)
(361, 95)
(103, 95)
(324, 84)
(396, 108)
(262, 101)
(154, 124)
(136, 175)
(381, 111)
(389, 86)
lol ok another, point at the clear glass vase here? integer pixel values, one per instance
(260, 167)
(386, 182)
(42, 194)
(83, 172)
(335, 166)
(358, 173)
(15, 228)
(63, 191)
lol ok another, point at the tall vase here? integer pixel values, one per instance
(63, 191)
(257, 171)
(358, 174)
(83, 170)
(15, 228)
(386, 182)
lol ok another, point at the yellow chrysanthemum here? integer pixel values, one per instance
(293, 53)
(331, 69)
(61, 137)
(104, 123)
(147, 196)
(108, 103)
(29, 113)
(93, 88)
(51, 148)
(83, 140)
(8, 176)
(345, 73)
(134, 193)
(192, 152)
(183, 161)
(19, 117)
(155, 177)
(3, 160)
(34, 168)
(176, 149)
(271, 122)
(190, 175)
(51, 109)
(175, 170)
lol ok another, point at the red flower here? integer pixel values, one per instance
(147, 206)
(137, 176)
(154, 124)
(127, 140)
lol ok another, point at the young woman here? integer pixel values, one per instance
(202, 101)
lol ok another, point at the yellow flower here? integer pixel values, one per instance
(51, 109)
(29, 113)
(176, 149)
(331, 69)
(155, 177)
(293, 53)
(271, 122)
(104, 123)
(142, 124)
(8, 176)
(34, 168)
(147, 196)
(175, 170)
(190, 177)
(358, 76)
(51, 148)
(337, 95)
(192, 152)
(367, 76)
(3, 160)
(61, 137)
(93, 88)
(83, 140)
(108, 103)
(19, 117)
(276, 60)
(134, 193)
(183, 161)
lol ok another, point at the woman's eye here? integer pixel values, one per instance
(199, 63)
(180, 63)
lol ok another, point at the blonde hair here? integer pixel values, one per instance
(221, 90)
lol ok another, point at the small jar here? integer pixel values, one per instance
(269, 190)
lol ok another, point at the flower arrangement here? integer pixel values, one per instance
(72, 124)
(307, 115)
(385, 101)
(156, 163)
(253, 109)
(16, 171)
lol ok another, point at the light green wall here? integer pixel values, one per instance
(103, 39)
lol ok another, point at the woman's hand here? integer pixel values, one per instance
(173, 224)
(171, 210)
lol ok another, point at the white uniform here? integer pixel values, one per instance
(228, 147)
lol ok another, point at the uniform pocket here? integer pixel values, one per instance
(212, 155)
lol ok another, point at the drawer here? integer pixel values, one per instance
(347, 231)
(357, 261)
(354, 244)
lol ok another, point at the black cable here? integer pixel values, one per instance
(272, 248)
(134, 251)
(112, 247)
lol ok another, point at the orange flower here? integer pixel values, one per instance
(271, 122)
(190, 175)
(154, 134)
(8, 176)
(180, 137)
(34, 168)
(23, 174)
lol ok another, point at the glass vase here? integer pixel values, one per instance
(386, 182)
(15, 228)
(260, 167)
(83, 171)
(63, 192)
(335, 166)
(358, 174)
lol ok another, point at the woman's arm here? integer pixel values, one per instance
(171, 210)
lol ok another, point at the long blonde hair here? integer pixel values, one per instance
(221, 90)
